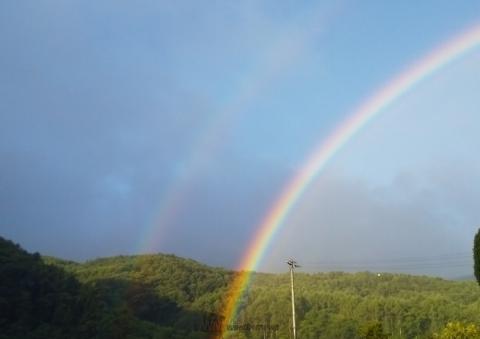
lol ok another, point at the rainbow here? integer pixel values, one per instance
(208, 142)
(292, 45)
(325, 151)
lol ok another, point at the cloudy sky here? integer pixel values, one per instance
(132, 127)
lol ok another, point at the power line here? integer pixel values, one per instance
(397, 264)
(442, 258)
(402, 263)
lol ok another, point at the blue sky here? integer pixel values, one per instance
(111, 108)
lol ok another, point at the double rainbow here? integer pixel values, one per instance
(356, 120)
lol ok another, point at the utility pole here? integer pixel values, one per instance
(293, 264)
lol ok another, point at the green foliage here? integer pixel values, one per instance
(458, 330)
(340, 305)
(164, 296)
(156, 296)
(476, 256)
(372, 330)
(41, 301)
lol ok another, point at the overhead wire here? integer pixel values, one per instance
(451, 260)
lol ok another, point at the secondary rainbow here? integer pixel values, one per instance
(355, 121)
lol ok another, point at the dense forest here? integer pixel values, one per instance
(164, 296)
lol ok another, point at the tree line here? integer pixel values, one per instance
(164, 296)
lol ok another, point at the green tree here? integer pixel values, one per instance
(458, 330)
(372, 330)
(476, 256)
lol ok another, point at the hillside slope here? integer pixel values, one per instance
(164, 296)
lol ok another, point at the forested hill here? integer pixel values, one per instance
(148, 296)
(164, 296)
(185, 281)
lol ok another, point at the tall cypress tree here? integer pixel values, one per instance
(476, 256)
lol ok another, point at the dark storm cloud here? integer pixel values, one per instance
(90, 131)
(101, 107)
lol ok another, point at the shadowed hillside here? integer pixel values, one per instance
(122, 297)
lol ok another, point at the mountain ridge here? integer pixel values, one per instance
(166, 296)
